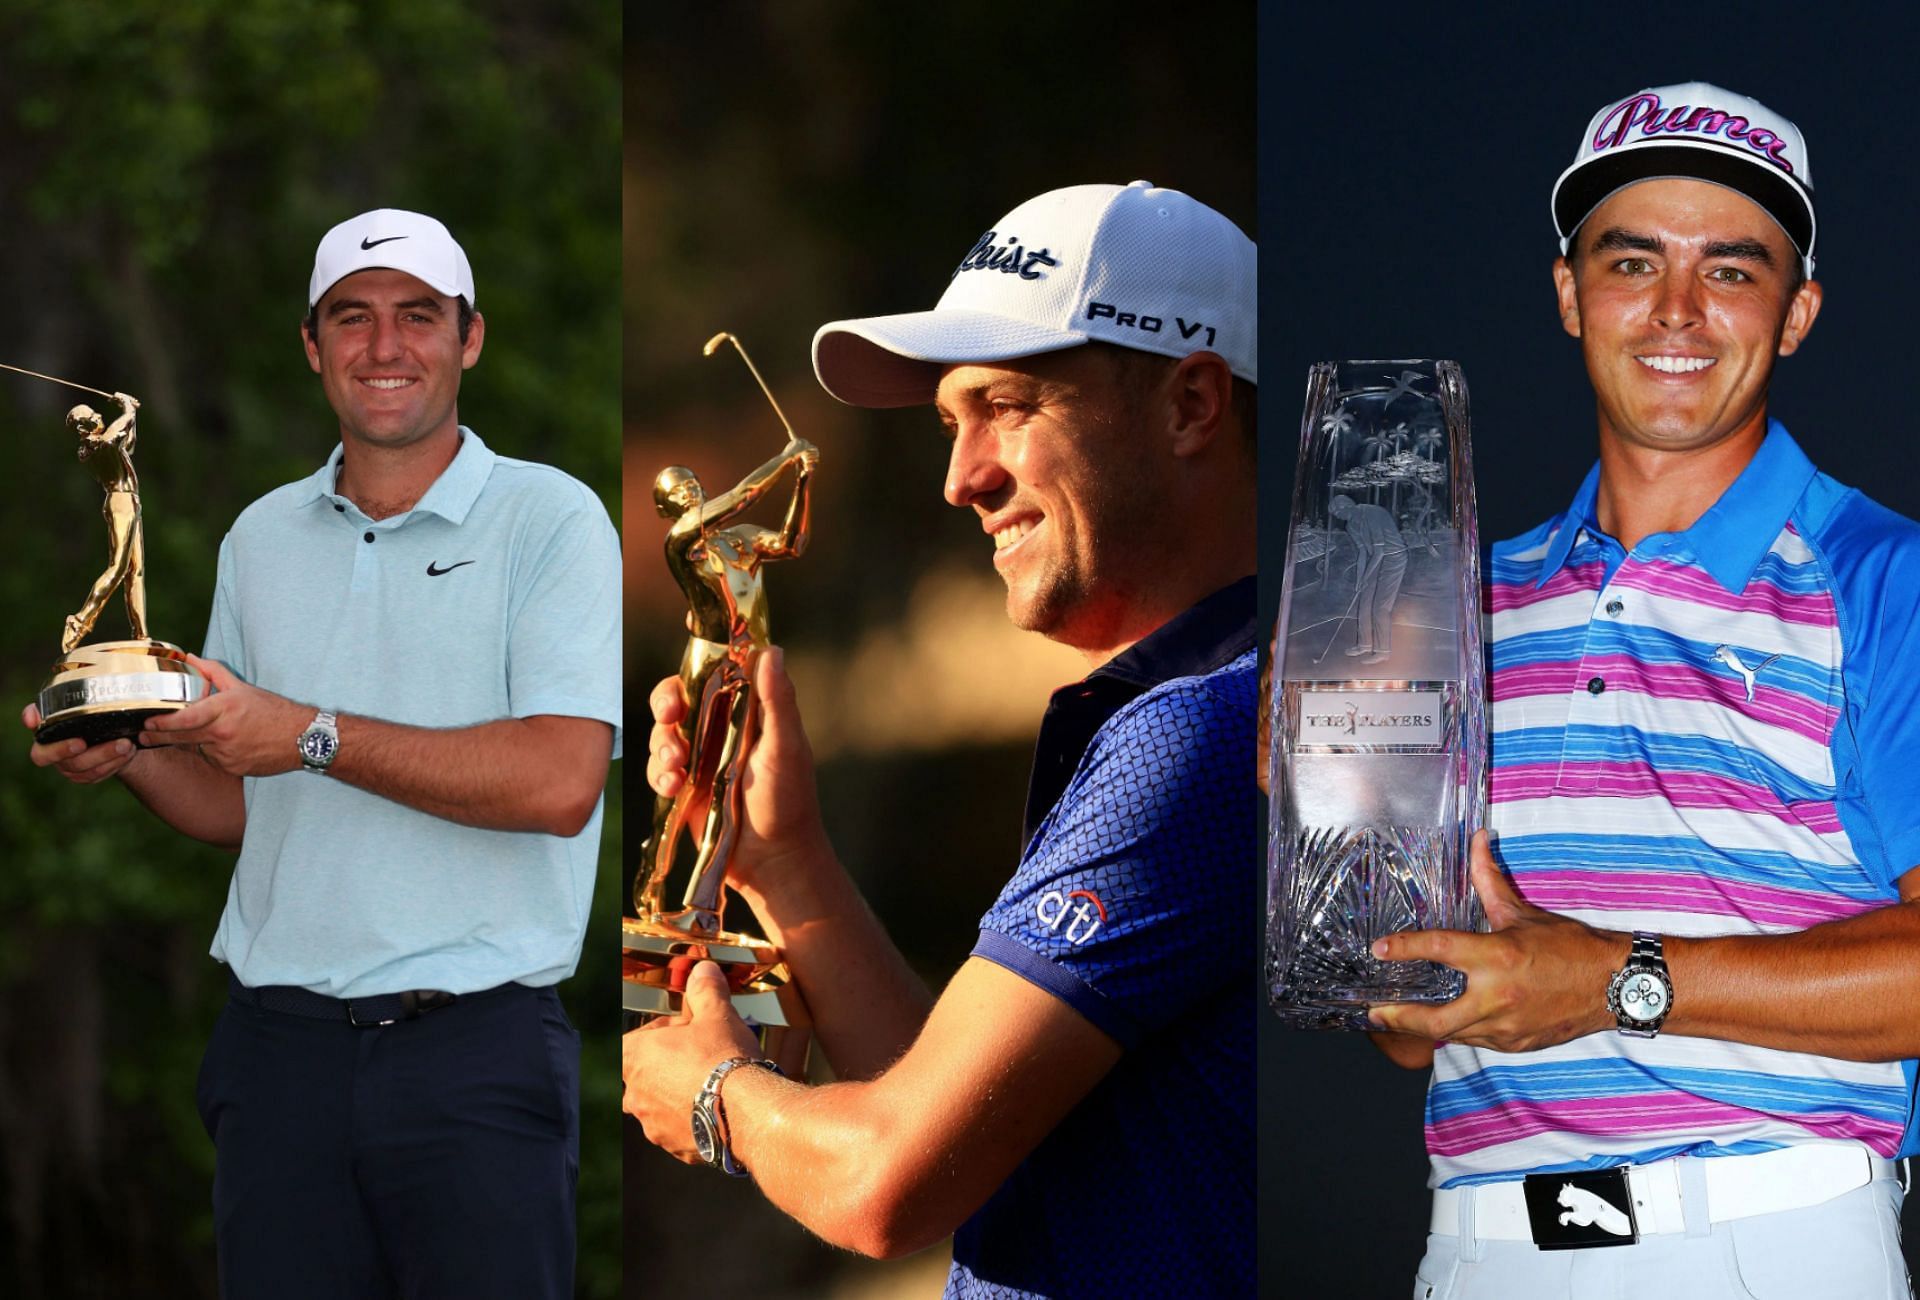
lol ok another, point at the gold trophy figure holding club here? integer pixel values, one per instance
(106, 690)
(107, 452)
(717, 563)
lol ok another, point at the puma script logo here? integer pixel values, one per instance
(1726, 655)
(432, 572)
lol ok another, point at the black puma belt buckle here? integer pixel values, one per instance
(1582, 1209)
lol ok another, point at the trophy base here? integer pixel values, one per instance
(107, 690)
(1346, 1008)
(657, 958)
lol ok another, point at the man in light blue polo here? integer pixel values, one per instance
(416, 656)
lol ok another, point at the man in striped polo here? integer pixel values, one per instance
(1691, 1032)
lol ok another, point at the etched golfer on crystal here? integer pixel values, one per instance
(1381, 564)
(1378, 764)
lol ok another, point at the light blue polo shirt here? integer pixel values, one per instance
(497, 596)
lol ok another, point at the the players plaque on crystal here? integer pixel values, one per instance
(1379, 714)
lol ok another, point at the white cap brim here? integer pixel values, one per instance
(885, 361)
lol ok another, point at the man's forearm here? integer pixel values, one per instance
(889, 1166)
(866, 1002)
(1847, 989)
(821, 1154)
(189, 795)
(540, 774)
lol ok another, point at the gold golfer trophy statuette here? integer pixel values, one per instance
(716, 557)
(106, 690)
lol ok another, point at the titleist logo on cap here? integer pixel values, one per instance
(1009, 257)
(1645, 112)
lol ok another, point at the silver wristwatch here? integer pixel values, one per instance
(320, 742)
(1640, 994)
(710, 1136)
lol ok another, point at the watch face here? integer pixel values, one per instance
(317, 746)
(703, 1134)
(1643, 996)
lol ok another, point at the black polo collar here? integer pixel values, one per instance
(1201, 639)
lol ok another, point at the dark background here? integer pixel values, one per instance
(1406, 158)
(166, 168)
(787, 165)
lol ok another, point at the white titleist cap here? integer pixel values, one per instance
(395, 240)
(1132, 265)
(1694, 131)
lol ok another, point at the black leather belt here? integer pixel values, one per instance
(380, 1009)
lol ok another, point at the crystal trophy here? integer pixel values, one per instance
(717, 558)
(1379, 726)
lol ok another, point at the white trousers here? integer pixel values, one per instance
(1847, 1248)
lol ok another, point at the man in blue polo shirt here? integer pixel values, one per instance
(416, 656)
(1078, 1102)
(1684, 1060)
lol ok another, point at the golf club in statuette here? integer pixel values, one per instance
(716, 558)
(106, 690)
(1379, 753)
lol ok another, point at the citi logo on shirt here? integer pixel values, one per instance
(1078, 912)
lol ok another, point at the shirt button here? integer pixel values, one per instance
(337, 506)
(369, 537)
(1595, 685)
(1613, 608)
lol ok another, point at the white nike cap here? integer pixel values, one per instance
(1693, 131)
(391, 239)
(1136, 266)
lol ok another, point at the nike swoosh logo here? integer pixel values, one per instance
(434, 573)
(375, 243)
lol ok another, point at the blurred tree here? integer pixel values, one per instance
(166, 168)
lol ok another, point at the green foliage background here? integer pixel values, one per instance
(166, 167)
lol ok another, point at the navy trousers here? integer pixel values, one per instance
(428, 1158)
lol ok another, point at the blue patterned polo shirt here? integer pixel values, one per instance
(1131, 905)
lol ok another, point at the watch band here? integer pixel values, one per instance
(716, 1111)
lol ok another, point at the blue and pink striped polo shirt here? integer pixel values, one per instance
(1717, 733)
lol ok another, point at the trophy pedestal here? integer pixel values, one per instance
(108, 689)
(657, 958)
(1347, 888)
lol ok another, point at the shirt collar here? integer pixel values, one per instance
(1730, 539)
(451, 495)
(1197, 640)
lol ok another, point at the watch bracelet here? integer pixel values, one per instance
(722, 1130)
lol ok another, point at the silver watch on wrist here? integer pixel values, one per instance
(710, 1136)
(1640, 994)
(320, 742)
